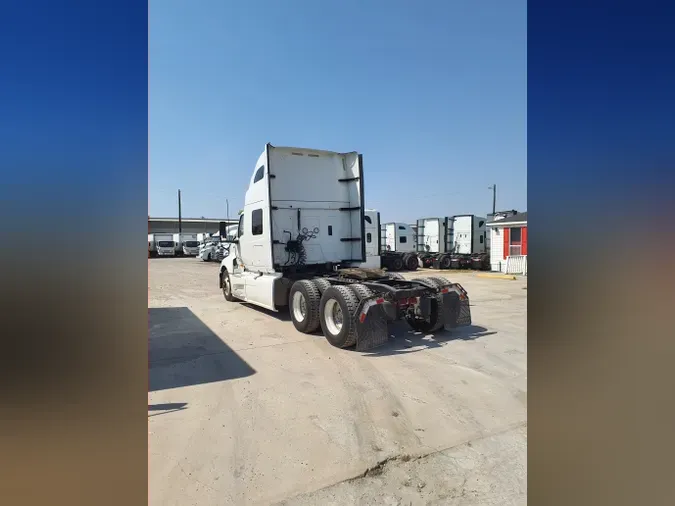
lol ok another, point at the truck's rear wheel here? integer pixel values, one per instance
(411, 262)
(338, 315)
(322, 284)
(361, 291)
(439, 281)
(445, 262)
(226, 285)
(303, 302)
(435, 320)
(396, 264)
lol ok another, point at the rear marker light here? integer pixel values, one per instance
(445, 290)
(362, 318)
(379, 301)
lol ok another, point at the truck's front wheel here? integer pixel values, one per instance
(226, 285)
(303, 301)
(338, 316)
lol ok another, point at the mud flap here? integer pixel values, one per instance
(372, 330)
(456, 311)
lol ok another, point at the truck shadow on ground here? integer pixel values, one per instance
(165, 408)
(183, 351)
(405, 340)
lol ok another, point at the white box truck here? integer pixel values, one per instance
(186, 244)
(165, 245)
(300, 240)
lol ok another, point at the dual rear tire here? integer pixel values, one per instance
(410, 261)
(331, 307)
(436, 319)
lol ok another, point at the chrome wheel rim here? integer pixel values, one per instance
(227, 285)
(333, 316)
(299, 307)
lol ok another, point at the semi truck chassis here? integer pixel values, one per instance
(354, 306)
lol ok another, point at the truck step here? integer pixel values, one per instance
(350, 208)
(350, 239)
(348, 179)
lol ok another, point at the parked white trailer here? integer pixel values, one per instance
(300, 240)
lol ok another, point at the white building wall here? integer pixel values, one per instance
(497, 261)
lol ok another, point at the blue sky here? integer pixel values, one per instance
(433, 94)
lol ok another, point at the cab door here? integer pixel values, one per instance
(237, 274)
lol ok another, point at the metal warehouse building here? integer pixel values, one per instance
(508, 243)
(188, 225)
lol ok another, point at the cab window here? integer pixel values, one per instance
(259, 174)
(240, 230)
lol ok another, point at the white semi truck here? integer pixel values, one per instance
(165, 246)
(213, 247)
(208, 250)
(452, 242)
(377, 254)
(300, 241)
(398, 251)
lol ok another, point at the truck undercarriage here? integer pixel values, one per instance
(476, 261)
(353, 306)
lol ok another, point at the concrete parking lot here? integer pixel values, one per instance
(243, 409)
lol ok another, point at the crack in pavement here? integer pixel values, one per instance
(381, 466)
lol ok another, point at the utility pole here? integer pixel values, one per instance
(180, 218)
(494, 198)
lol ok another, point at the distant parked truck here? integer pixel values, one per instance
(376, 254)
(186, 244)
(207, 251)
(213, 248)
(453, 242)
(435, 241)
(165, 245)
(398, 251)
